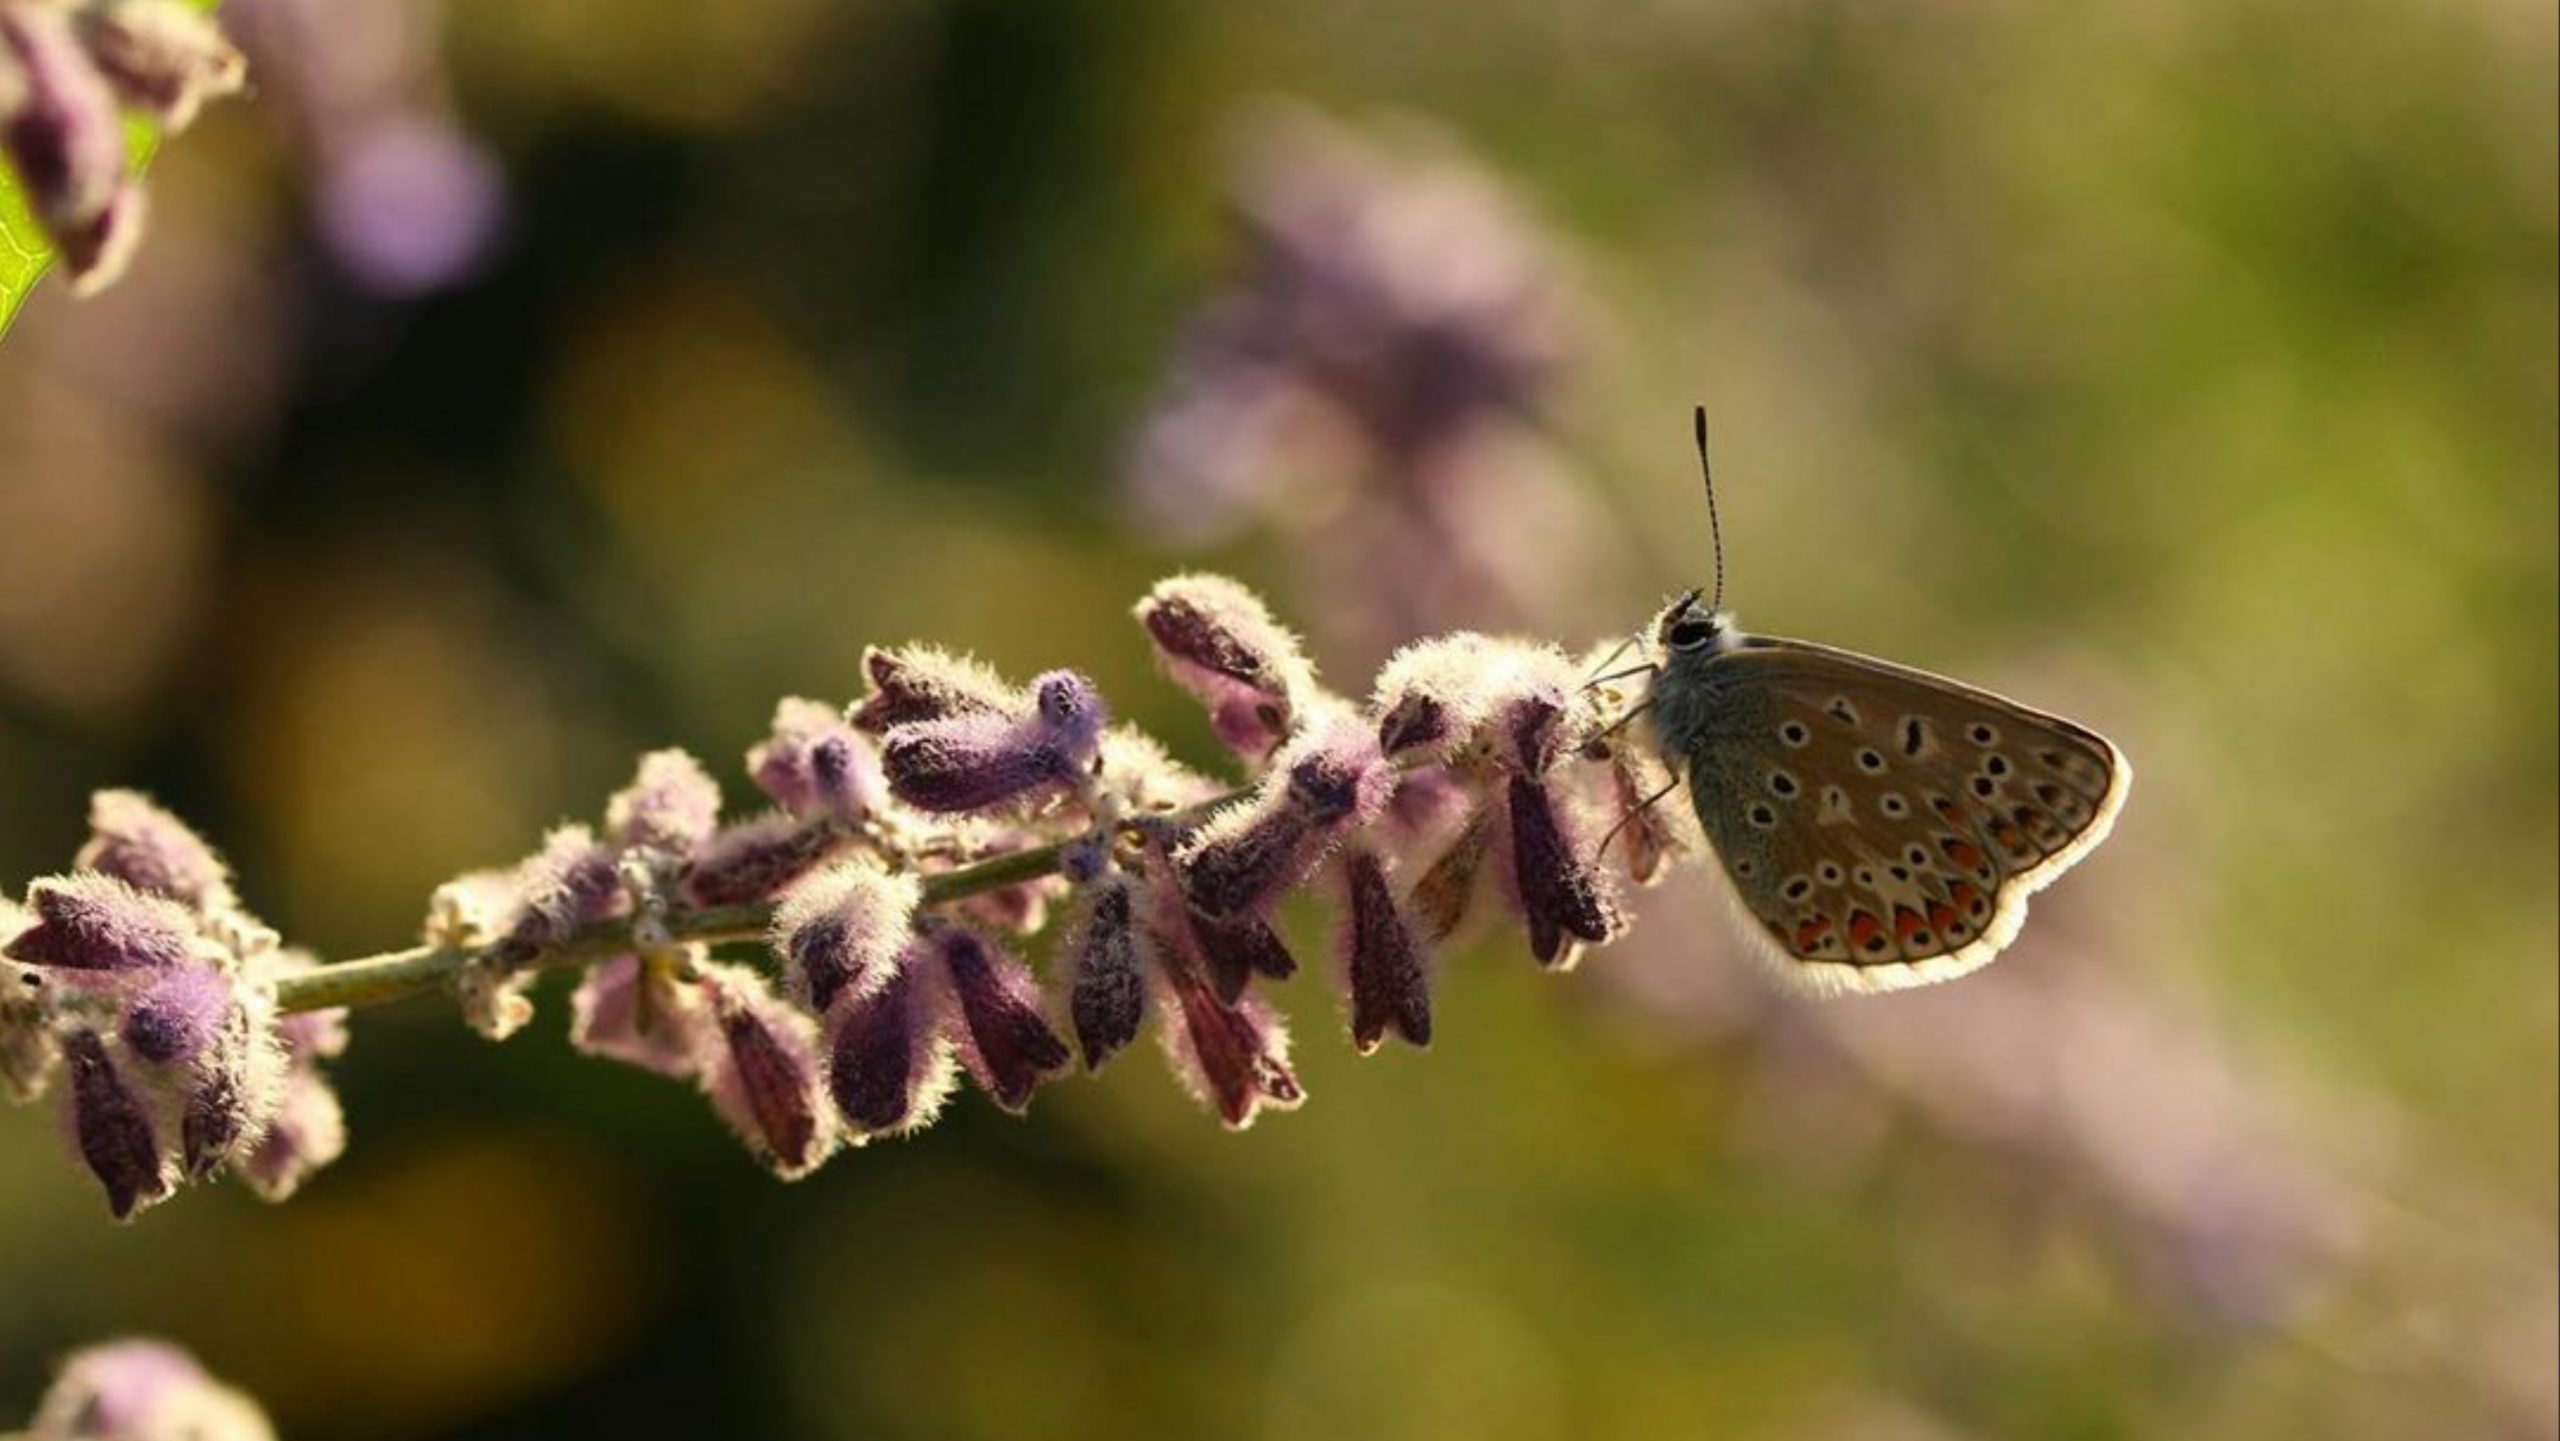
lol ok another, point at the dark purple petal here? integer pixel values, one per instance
(152, 851)
(1235, 949)
(888, 1069)
(1244, 863)
(1005, 1041)
(1561, 893)
(972, 763)
(1389, 987)
(91, 922)
(1109, 995)
(112, 1129)
(1235, 1058)
(1218, 641)
(754, 859)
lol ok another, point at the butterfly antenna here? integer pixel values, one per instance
(1715, 525)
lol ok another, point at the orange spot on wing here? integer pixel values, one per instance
(1865, 931)
(1908, 924)
(1967, 897)
(1964, 853)
(1812, 932)
(1943, 916)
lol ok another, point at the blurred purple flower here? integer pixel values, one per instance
(141, 1390)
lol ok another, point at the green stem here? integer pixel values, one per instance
(398, 975)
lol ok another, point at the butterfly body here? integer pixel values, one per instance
(1881, 827)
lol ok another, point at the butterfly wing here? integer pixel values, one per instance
(1884, 827)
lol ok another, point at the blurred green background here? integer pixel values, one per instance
(2186, 367)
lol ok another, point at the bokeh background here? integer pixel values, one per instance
(508, 388)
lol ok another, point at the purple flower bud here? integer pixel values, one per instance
(1431, 695)
(112, 1129)
(1235, 949)
(28, 1052)
(1218, 641)
(840, 932)
(1108, 998)
(815, 764)
(754, 859)
(163, 56)
(152, 851)
(177, 1014)
(625, 1010)
(1560, 892)
(920, 683)
(889, 1069)
(764, 1078)
(308, 1131)
(978, 760)
(138, 1390)
(218, 1111)
(571, 882)
(1390, 989)
(61, 129)
(1005, 1042)
(670, 807)
(1235, 1059)
(1330, 780)
(91, 922)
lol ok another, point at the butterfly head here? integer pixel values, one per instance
(1691, 626)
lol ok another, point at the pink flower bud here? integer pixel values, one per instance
(765, 1078)
(1108, 995)
(670, 807)
(753, 859)
(153, 851)
(840, 931)
(889, 1068)
(1328, 781)
(1431, 695)
(920, 683)
(995, 1016)
(112, 1129)
(570, 883)
(61, 129)
(1218, 641)
(307, 1132)
(625, 1010)
(1390, 987)
(815, 764)
(138, 1390)
(164, 56)
(1560, 892)
(980, 760)
(91, 922)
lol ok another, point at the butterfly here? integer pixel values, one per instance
(1881, 827)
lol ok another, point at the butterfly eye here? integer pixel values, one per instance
(1689, 633)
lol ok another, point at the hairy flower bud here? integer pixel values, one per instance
(669, 808)
(921, 683)
(1218, 641)
(1390, 988)
(61, 130)
(1005, 1042)
(569, 883)
(752, 860)
(1235, 949)
(980, 760)
(1505, 698)
(840, 931)
(765, 1078)
(815, 764)
(1561, 893)
(1235, 1059)
(139, 1390)
(307, 1132)
(167, 57)
(1328, 781)
(91, 922)
(112, 1129)
(889, 1067)
(1107, 999)
(630, 1011)
(178, 1014)
(153, 851)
